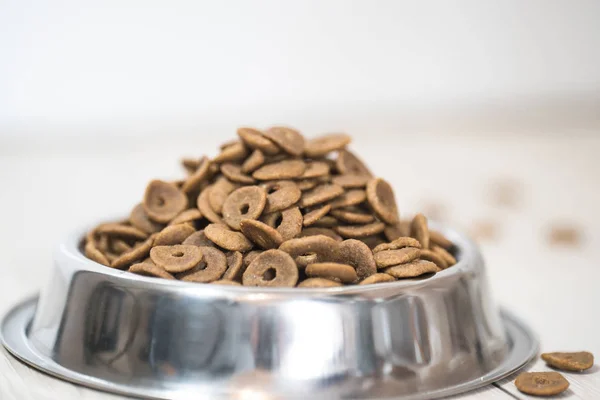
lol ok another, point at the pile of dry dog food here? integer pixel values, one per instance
(272, 209)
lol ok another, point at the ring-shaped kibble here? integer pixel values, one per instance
(330, 270)
(234, 152)
(380, 196)
(377, 278)
(286, 169)
(149, 269)
(198, 239)
(434, 257)
(351, 181)
(189, 215)
(163, 201)
(358, 255)
(177, 258)
(195, 180)
(347, 163)
(139, 219)
(350, 198)
(203, 205)
(120, 231)
(326, 221)
(247, 202)
(261, 234)
(322, 145)
(223, 237)
(359, 231)
(138, 252)
(318, 283)
(419, 230)
(321, 194)
(287, 222)
(218, 192)
(255, 139)
(281, 195)
(313, 216)
(387, 258)
(352, 217)
(412, 269)
(323, 248)
(173, 234)
(234, 173)
(403, 241)
(256, 160)
(444, 254)
(272, 268)
(315, 169)
(314, 231)
(211, 268)
(288, 139)
(235, 263)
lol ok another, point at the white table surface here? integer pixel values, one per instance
(47, 190)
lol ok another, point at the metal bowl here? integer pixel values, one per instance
(154, 338)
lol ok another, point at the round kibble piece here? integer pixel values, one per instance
(149, 269)
(261, 234)
(399, 243)
(351, 181)
(218, 193)
(380, 196)
(315, 169)
(211, 268)
(290, 140)
(254, 139)
(198, 239)
(326, 221)
(235, 262)
(318, 283)
(205, 207)
(163, 201)
(358, 255)
(200, 175)
(350, 198)
(320, 249)
(234, 152)
(330, 270)
(321, 194)
(434, 258)
(190, 164)
(348, 163)
(139, 219)
(377, 278)
(419, 230)
(94, 254)
(352, 217)
(359, 231)
(313, 231)
(256, 159)
(541, 383)
(393, 232)
(281, 195)
(322, 145)
(412, 269)
(173, 234)
(189, 215)
(286, 169)
(121, 231)
(307, 184)
(575, 361)
(250, 256)
(247, 202)
(388, 258)
(271, 268)
(137, 253)
(234, 173)
(222, 236)
(176, 258)
(287, 222)
(316, 214)
(119, 246)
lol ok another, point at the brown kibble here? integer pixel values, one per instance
(177, 258)
(315, 169)
(218, 192)
(419, 230)
(444, 254)
(189, 215)
(399, 243)
(271, 268)
(575, 361)
(322, 145)
(321, 194)
(226, 282)
(439, 239)
(541, 383)
(281, 195)
(334, 271)
(314, 231)
(173, 234)
(205, 207)
(94, 254)
(210, 269)
(288, 139)
(150, 269)
(388, 258)
(564, 235)
(358, 255)
(348, 163)
(139, 219)
(373, 240)
(352, 217)
(287, 222)
(286, 169)
(232, 153)
(235, 262)
(195, 180)
(250, 256)
(138, 252)
(434, 257)
(326, 221)
(318, 283)
(119, 246)
(198, 239)
(234, 173)
(261, 233)
(247, 202)
(307, 184)
(351, 181)
(320, 248)
(412, 269)
(121, 231)
(316, 214)
(253, 162)
(255, 139)
(382, 200)
(377, 278)
(190, 164)
(359, 231)
(222, 236)
(163, 201)
(350, 198)
(400, 229)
